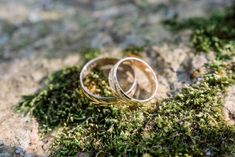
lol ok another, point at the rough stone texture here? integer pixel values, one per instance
(39, 37)
(170, 67)
(174, 67)
(229, 106)
(24, 77)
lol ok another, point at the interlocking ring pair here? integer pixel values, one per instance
(130, 79)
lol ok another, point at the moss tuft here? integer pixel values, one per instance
(133, 50)
(216, 33)
(90, 53)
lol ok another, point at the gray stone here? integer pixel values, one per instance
(81, 154)
(19, 151)
(5, 154)
(28, 155)
(1, 143)
(229, 106)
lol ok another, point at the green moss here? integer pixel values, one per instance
(215, 33)
(22, 43)
(90, 53)
(98, 83)
(133, 50)
(7, 27)
(190, 124)
(60, 102)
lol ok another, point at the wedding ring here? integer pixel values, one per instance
(105, 64)
(147, 83)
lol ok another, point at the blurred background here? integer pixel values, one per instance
(57, 27)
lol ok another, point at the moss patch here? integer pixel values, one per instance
(98, 83)
(215, 33)
(189, 124)
(134, 50)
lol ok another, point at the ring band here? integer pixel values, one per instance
(105, 64)
(139, 66)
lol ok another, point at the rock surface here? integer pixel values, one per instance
(229, 106)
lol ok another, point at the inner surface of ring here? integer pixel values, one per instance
(126, 78)
(145, 78)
